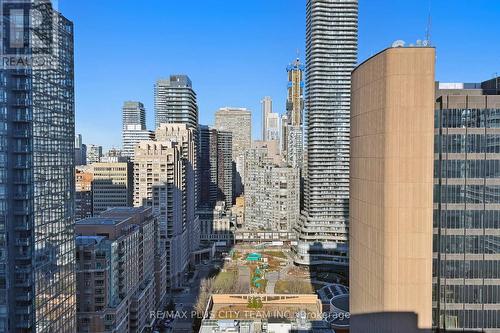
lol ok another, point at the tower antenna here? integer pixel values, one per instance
(429, 24)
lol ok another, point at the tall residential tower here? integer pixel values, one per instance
(175, 102)
(331, 54)
(37, 184)
(134, 127)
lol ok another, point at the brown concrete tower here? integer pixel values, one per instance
(391, 188)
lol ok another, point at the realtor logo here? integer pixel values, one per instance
(28, 33)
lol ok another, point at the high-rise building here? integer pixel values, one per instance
(94, 154)
(225, 168)
(467, 207)
(175, 102)
(284, 135)
(83, 194)
(392, 158)
(215, 167)
(295, 147)
(295, 96)
(160, 182)
(257, 174)
(270, 121)
(80, 151)
(272, 193)
(37, 184)
(273, 127)
(292, 131)
(134, 127)
(267, 109)
(208, 166)
(133, 113)
(237, 121)
(117, 257)
(331, 55)
(186, 139)
(112, 185)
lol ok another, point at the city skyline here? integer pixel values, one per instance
(242, 58)
(360, 194)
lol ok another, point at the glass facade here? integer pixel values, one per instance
(466, 292)
(37, 282)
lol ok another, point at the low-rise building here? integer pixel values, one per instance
(217, 225)
(275, 313)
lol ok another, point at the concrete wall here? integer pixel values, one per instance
(392, 133)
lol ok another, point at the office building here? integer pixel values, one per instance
(175, 102)
(466, 207)
(392, 158)
(134, 127)
(112, 185)
(94, 154)
(331, 55)
(83, 193)
(237, 121)
(37, 184)
(116, 260)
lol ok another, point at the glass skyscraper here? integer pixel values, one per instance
(175, 102)
(466, 292)
(331, 55)
(37, 281)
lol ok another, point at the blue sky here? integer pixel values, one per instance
(236, 51)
